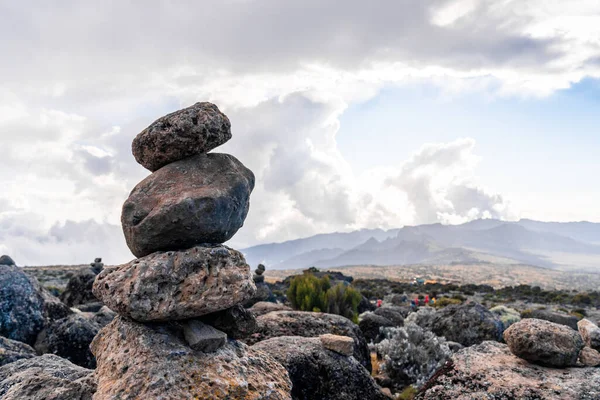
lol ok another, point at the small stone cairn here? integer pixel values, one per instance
(179, 302)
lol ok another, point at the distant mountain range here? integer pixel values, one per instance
(565, 246)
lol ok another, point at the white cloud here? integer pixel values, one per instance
(80, 81)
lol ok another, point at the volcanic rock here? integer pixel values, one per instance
(79, 289)
(340, 344)
(544, 343)
(48, 377)
(12, 350)
(263, 307)
(176, 284)
(370, 324)
(25, 307)
(201, 199)
(318, 373)
(6, 260)
(392, 313)
(589, 357)
(153, 361)
(557, 318)
(202, 337)
(69, 338)
(194, 130)
(236, 322)
(311, 324)
(590, 333)
(489, 371)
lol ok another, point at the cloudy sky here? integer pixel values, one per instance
(352, 114)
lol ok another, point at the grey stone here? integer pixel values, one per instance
(184, 133)
(79, 289)
(557, 318)
(12, 350)
(203, 337)
(236, 322)
(202, 199)
(590, 333)
(370, 324)
(589, 357)
(543, 342)
(177, 285)
(6, 260)
(48, 377)
(264, 307)
(340, 344)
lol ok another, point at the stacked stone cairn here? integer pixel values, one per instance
(179, 302)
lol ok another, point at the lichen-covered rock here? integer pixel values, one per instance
(318, 373)
(12, 350)
(489, 371)
(177, 284)
(310, 324)
(557, 318)
(69, 338)
(467, 324)
(590, 333)
(543, 342)
(263, 307)
(25, 307)
(194, 130)
(589, 357)
(201, 199)
(48, 377)
(153, 361)
(370, 324)
(79, 289)
(236, 322)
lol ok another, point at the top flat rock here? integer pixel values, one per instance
(194, 130)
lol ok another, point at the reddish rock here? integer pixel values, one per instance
(177, 284)
(184, 133)
(590, 333)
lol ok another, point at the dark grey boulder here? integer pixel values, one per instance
(25, 307)
(11, 351)
(310, 324)
(557, 318)
(70, 338)
(365, 305)
(182, 134)
(263, 293)
(79, 289)
(319, 373)
(236, 322)
(201, 199)
(6, 260)
(394, 314)
(90, 307)
(370, 324)
(48, 377)
(467, 324)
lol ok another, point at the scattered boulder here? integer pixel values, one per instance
(201, 199)
(236, 322)
(318, 373)
(340, 344)
(79, 289)
(48, 377)
(557, 318)
(202, 337)
(69, 338)
(392, 313)
(544, 343)
(6, 260)
(589, 357)
(370, 325)
(263, 307)
(310, 324)
(12, 350)
(590, 333)
(194, 130)
(490, 371)
(176, 284)
(25, 307)
(147, 361)
(467, 324)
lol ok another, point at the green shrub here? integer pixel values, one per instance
(309, 293)
(446, 301)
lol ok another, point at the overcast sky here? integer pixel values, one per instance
(352, 114)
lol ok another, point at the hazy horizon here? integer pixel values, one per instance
(356, 116)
